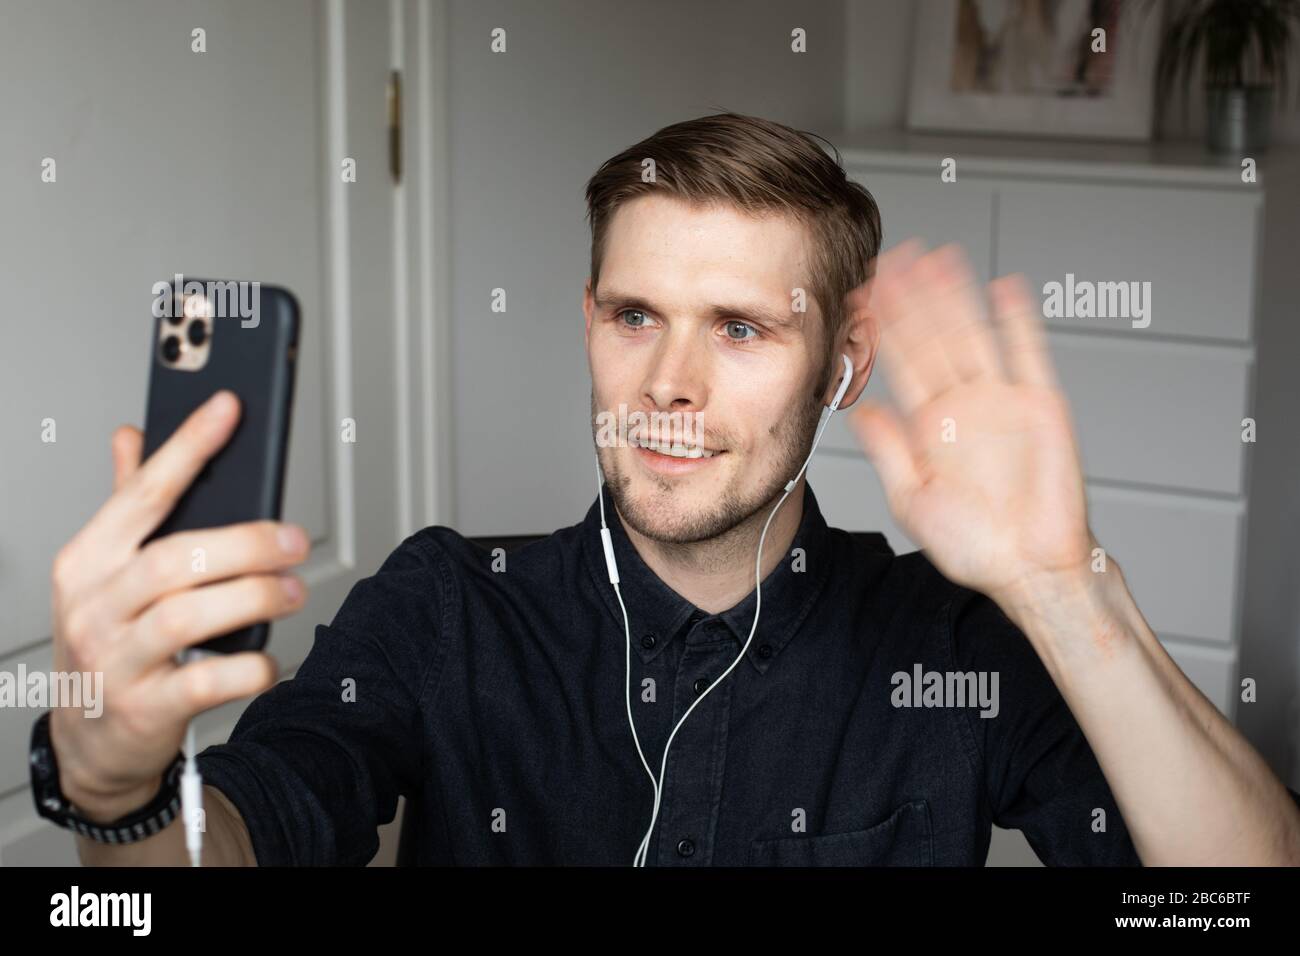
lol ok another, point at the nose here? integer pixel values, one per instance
(677, 379)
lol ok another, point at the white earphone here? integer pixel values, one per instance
(607, 542)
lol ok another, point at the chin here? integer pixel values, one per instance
(674, 508)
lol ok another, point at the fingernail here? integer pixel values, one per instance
(292, 539)
(220, 403)
(292, 588)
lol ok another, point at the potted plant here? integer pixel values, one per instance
(1243, 45)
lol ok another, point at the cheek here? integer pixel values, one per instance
(619, 368)
(608, 369)
(757, 420)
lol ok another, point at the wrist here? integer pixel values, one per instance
(107, 806)
(1082, 614)
(85, 790)
(1046, 594)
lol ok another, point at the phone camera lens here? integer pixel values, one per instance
(196, 333)
(171, 348)
(175, 319)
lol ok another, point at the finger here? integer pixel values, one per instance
(212, 681)
(912, 347)
(186, 618)
(907, 387)
(1020, 329)
(128, 442)
(961, 323)
(78, 568)
(149, 495)
(881, 436)
(186, 559)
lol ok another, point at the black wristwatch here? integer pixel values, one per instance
(53, 805)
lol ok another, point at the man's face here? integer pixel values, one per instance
(695, 314)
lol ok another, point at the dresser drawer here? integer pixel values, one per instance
(1195, 248)
(1160, 412)
(1157, 412)
(1180, 554)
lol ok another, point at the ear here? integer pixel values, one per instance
(860, 342)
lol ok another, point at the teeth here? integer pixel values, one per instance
(676, 450)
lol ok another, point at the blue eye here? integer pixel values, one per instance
(633, 325)
(742, 326)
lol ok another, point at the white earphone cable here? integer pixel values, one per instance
(642, 850)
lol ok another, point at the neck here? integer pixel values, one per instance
(717, 574)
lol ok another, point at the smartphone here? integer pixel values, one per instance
(243, 336)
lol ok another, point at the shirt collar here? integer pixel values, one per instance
(657, 614)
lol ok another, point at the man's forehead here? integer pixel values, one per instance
(652, 219)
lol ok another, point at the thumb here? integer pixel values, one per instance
(127, 443)
(881, 436)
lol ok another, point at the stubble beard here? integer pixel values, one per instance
(654, 515)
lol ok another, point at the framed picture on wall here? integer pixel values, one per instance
(1071, 68)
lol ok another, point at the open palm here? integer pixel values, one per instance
(978, 458)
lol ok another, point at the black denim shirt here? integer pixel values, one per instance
(494, 700)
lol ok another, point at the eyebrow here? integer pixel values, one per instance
(760, 314)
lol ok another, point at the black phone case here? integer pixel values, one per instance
(244, 481)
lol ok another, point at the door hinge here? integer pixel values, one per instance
(395, 125)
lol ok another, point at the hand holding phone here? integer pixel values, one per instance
(125, 610)
(128, 591)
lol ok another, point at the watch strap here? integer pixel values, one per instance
(130, 828)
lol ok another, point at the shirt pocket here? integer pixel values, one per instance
(901, 839)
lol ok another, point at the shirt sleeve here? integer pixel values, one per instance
(315, 764)
(1041, 775)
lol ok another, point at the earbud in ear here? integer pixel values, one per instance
(844, 383)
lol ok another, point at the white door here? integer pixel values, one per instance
(221, 163)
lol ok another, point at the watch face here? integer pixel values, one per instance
(42, 763)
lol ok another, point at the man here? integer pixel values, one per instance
(882, 710)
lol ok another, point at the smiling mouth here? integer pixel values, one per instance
(677, 450)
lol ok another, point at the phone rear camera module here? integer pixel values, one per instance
(171, 348)
(197, 333)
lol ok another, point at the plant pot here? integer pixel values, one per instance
(1238, 119)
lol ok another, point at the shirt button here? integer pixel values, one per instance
(648, 641)
(765, 651)
(686, 847)
(701, 685)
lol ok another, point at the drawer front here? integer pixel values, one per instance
(1152, 413)
(1157, 412)
(1195, 248)
(1180, 554)
(936, 211)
